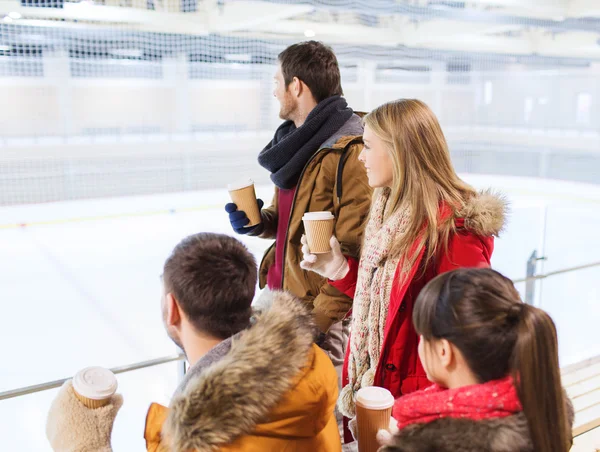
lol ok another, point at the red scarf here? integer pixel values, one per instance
(493, 399)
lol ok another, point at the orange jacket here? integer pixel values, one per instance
(275, 390)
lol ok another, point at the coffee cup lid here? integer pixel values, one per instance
(240, 184)
(314, 216)
(375, 398)
(95, 383)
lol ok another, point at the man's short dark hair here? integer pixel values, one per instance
(316, 65)
(213, 277)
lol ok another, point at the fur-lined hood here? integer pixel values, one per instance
(485, 213)
(260, 382)
(508, 434)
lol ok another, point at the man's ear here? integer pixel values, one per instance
(296, 87)
(173, 311)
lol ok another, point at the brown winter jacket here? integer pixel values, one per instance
(508, 434)
(317, 190)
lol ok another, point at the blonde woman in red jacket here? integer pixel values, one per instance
(424, 221)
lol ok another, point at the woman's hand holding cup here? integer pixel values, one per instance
(384, 436)
(332, 265)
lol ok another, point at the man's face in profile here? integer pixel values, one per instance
(287, 103)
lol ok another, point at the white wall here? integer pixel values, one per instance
(59, 104)
(140, 128)
(101, 105)
(28, 108)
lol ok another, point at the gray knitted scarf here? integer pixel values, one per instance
(291, 148)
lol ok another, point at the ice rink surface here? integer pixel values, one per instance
(80, 286)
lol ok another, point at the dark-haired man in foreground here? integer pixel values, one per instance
(255, 383)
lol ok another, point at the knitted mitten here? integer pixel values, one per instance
(73, 427)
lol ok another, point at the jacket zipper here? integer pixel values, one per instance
(285, 243)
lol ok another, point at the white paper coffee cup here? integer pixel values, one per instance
(243, 196)
(317, 216)
(319, 229)
(373, 412)
(239, 185)
(94, 386)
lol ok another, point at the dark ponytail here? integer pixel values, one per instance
(481, 313)
(537, 377)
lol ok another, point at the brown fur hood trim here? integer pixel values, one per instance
(235, 394)
(485, 213)
(509, 434)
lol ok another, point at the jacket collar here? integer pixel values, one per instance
(351, 130)
(506, 434)
(217, 353)
(223, 402)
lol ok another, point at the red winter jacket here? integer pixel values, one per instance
(399, 368)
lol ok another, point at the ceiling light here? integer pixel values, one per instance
(34, 37)
(121, 62)
(7, 19)
(15, 15)
(238, 57)
(309, 33)
(128, 53)
(5, 48)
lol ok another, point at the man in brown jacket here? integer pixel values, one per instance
(314, 166)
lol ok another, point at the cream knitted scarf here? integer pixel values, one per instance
(372, 298)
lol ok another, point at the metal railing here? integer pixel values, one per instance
(167, 359)
(116, 370)
(557, 272)
(19, 392)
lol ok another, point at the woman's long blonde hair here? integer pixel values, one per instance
(423, 176)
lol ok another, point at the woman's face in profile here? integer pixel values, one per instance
(377, 160)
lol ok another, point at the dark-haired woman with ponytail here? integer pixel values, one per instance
(494, 362)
